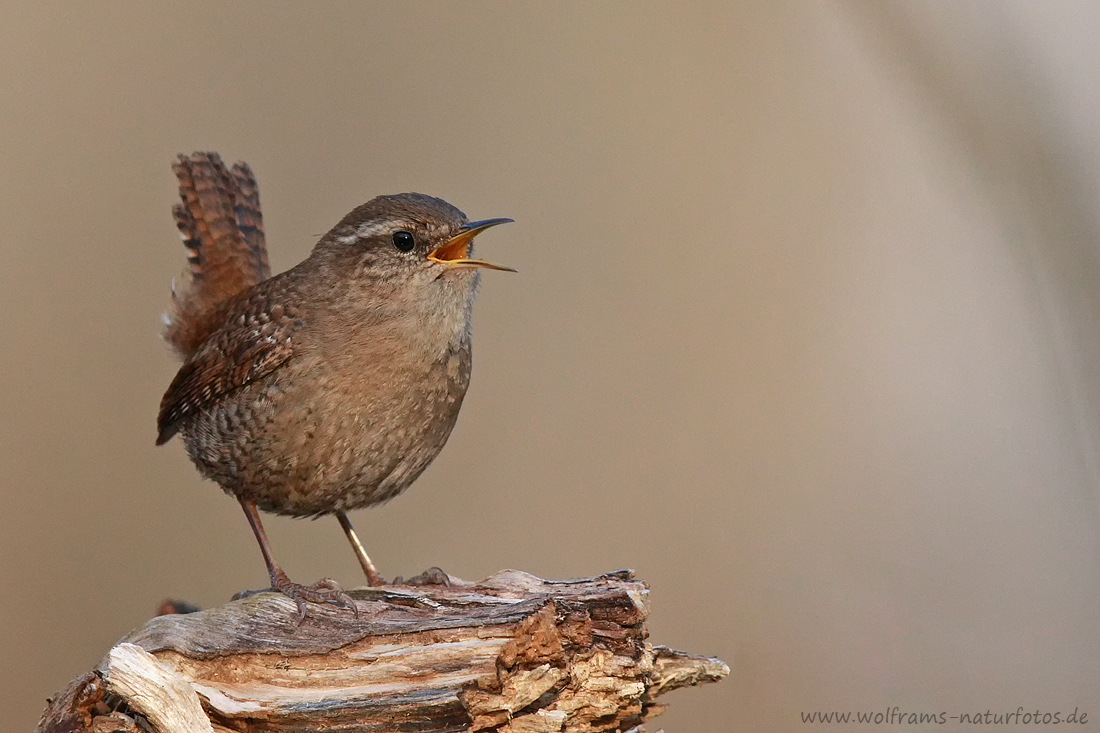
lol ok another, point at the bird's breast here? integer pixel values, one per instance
(370, 423)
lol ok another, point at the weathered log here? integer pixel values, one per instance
(511, 654)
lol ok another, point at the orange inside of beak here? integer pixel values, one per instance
(456, 251)
(458, 248)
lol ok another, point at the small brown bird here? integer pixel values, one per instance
(333, 385)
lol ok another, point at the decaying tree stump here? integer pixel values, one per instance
(511, 654)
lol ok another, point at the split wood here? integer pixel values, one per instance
(511, 654)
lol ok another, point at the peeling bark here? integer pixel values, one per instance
(511, 654)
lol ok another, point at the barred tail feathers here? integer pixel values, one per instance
(221, 225)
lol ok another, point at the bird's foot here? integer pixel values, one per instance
(325, 590)
(431, 576)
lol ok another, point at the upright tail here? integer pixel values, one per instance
(221, 226)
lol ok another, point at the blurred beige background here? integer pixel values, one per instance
(805, 328)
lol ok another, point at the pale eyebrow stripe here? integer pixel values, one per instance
(370, 229)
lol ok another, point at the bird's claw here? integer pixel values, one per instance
(431, 576)
(325, 590)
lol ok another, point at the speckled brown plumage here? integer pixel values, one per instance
(333, 385)
(221, 226)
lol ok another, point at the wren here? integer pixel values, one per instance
(330, 386)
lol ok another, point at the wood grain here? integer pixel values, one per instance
(513, 653)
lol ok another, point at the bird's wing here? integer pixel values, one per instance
(220, 222)
(256, 339)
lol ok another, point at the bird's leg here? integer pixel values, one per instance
(325, 590)
(373, 578)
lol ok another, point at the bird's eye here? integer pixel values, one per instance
(404, 241)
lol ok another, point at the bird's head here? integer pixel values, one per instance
(410, 242)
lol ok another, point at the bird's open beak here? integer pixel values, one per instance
(454, 253)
